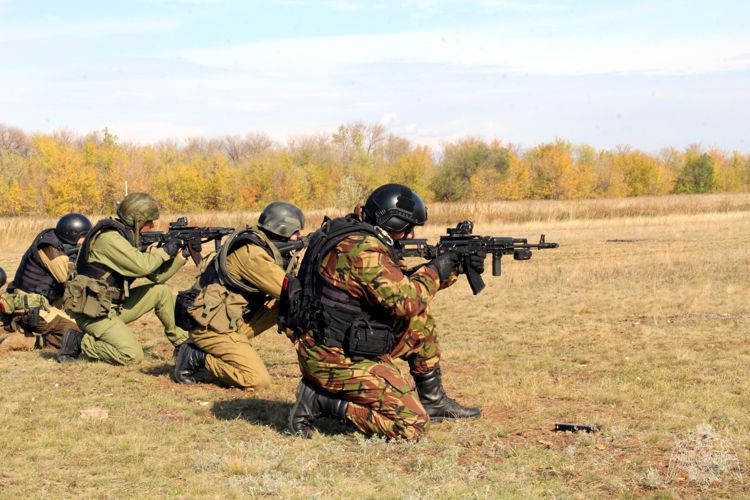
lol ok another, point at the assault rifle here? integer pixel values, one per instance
(71, 251)
(288, 247)
(191, 238)
(461, 241)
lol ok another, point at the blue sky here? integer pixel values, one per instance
(649, 74)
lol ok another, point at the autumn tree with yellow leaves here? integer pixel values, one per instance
(50, 174)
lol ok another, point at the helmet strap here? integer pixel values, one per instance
(137, 225)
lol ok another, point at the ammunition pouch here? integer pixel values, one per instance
(182, 303)
(344, 324)
(91, 297)
(31, 318)
(368, 339)
(218, 309)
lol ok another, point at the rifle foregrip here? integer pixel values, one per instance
(496, 269)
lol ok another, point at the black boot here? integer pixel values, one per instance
(71, 346)
(312, 403)
(438, 405)
(189, 360)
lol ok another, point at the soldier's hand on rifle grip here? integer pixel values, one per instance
(172, 247)
(195, 246)
(476, 261)
(445, 265)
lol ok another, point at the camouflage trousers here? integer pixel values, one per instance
(382, 401)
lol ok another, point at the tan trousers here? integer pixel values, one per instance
(230, 357)
(48, 332)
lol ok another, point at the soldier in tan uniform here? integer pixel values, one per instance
(236, 299)
(35, 294)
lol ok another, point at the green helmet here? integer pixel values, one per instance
(137, 208)
(282, 219)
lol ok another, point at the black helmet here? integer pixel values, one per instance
(281, 219)
(395, 207)
(72, 226)
(3, 276)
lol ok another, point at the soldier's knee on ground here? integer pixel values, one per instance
(413, 428)
(253, 381)
(131, 355)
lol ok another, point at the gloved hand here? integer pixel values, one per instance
(172, 247)
(476, 261)
(445, 265)
(196, 246)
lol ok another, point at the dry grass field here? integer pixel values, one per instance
(638, 324)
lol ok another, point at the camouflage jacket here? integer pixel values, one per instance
(362, 266)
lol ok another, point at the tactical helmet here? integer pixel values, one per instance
(395, 208)
(72, 226)
(3, 276)
(282, 219)
(137, 208)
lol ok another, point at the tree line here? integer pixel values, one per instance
(51, 174)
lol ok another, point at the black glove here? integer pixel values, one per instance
(172, 247)
(476, 261)
(196, 246)
(445, 265)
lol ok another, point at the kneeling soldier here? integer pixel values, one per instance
(100, 297)
(236, 300)
(36, 291)
(366, 310)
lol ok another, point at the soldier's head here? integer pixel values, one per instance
(396, 209)
(282, 220)
(72, 227)
(137, 209)
(3, 277)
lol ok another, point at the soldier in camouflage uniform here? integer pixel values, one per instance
(100, 297)
(36, 292)
(362, 283)
(238, 300)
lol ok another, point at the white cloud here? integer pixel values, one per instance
(564, 55)
(389, 119)
(42, 29)
(145, 132)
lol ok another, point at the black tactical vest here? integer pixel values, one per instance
(32, 276)
(335, 317)
(99, 271)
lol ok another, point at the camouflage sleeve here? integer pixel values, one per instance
(366, 269)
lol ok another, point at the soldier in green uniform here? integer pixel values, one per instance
(370, 311)
(100, 297)
(36, 292)
(237, 300)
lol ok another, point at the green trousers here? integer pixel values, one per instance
(110, 339)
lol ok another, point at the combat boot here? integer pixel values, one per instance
(438, 405)
(311, 404)
(189, 360)
(70, 349)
